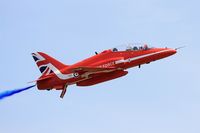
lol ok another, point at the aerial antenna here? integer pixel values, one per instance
(180, 47)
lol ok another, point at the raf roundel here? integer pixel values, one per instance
(76, 74)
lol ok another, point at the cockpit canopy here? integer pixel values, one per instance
(131, 47)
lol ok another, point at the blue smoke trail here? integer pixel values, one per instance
(12, 92)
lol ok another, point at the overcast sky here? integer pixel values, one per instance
(162, 97)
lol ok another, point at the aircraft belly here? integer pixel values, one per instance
(102, 78)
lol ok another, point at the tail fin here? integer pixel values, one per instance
(43, 62)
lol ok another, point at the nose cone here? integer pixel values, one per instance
(172, 51)
(163, 53)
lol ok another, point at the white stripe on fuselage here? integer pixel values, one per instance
(140, 57)
(59, 74)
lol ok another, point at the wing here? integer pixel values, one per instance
(86, 71)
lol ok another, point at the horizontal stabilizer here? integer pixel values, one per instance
(41, 79)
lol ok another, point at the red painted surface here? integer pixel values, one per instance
(105, 66)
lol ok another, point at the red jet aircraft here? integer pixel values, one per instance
(107, 65)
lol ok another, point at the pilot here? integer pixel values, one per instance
(145, 47)
(141, 48)
(135, 48)
(115, 49)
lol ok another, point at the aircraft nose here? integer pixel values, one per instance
(172, 51)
